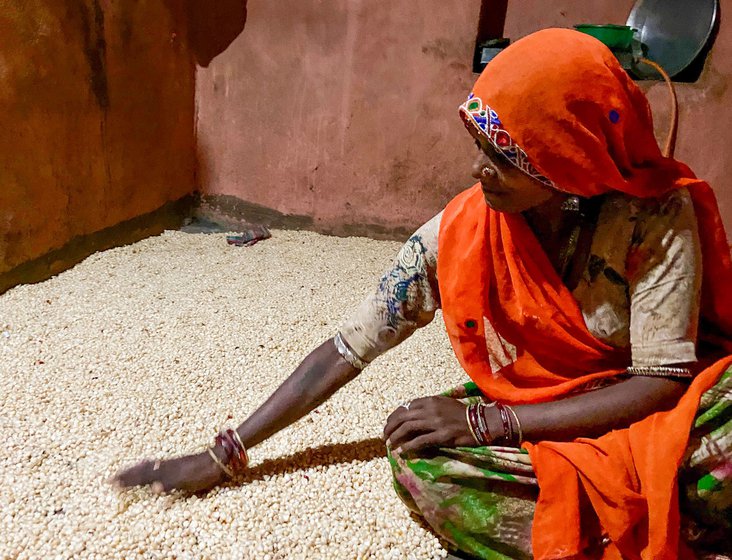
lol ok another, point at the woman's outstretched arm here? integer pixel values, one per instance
(324, 370)
(319, 375)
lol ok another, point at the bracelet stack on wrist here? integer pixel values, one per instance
(512, 435)
(508, 434)
(236, 458)
(477, 424)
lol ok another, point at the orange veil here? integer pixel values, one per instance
(586, 128)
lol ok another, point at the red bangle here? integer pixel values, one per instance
(236, 457)
(508, 434)
(477, 423)
(486, 433)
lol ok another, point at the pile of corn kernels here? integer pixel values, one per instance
(145, 351)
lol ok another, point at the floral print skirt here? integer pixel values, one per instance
(481, 500)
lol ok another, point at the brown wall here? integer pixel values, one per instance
(346, 111)
(97, 118)
(342, 111)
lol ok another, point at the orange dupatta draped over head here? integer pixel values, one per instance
(579, 123)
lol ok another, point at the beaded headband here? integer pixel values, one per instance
(475, 113)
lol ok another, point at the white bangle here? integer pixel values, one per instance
(347, 354)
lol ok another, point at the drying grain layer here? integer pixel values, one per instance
(146, 350)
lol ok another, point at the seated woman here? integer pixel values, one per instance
(582, 282)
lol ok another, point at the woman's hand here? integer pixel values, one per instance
(319, 375)
(429, 422)
(190, 473)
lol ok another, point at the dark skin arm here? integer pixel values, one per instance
(429, 422)
(440, 421)
(320, 375)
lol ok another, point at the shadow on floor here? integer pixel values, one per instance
(324, 455)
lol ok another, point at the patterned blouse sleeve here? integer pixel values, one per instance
(405, 299)
(664, 273)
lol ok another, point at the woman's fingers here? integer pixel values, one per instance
(166, 477)
(138, 475)
(409, 430)
(417, 409)
(429, 422)
(191, 473)
(431, 439)
(396, 419)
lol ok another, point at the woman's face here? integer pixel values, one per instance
(505, 187)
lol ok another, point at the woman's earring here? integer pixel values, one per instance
(572, 204)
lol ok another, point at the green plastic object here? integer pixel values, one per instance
(617, 37)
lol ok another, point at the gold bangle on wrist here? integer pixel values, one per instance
(224, 468)
(237, 437)
(470, 425)
(518, 424)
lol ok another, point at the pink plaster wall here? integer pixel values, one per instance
(343, 111)
(346, 111)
